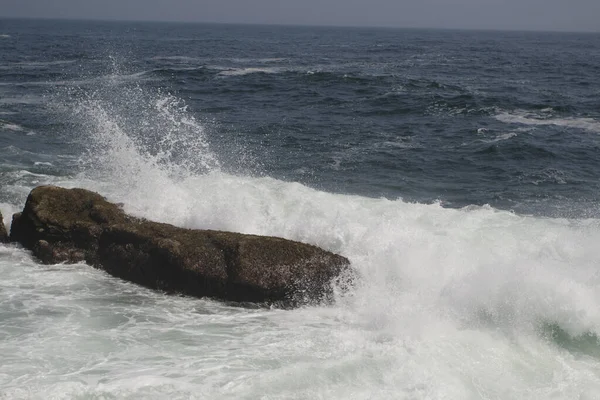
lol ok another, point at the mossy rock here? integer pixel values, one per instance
(75, 225)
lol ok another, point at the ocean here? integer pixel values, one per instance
(459, 171)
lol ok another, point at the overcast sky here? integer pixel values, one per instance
(561, 15)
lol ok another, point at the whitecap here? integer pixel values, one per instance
(246, 71)
(402, 142)
(501, 137)
(588, 124)
(10, 126)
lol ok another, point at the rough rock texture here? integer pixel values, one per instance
(74, 225)
(3, 234)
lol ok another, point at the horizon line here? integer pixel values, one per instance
(299, 25)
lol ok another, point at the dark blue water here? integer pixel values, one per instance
(508, 119)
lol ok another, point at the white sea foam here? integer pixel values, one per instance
(246, 71)
(10, 126)
(450, 303)
(505, 136)
(588, 124)
(498, 138)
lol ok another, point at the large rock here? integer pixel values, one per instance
(74, 225)
(3, 234)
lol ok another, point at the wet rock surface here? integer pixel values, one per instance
(74, 225)
(3, 234)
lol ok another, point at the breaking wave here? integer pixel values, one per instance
(587, 124)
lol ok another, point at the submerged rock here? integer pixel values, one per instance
(3, 234)
(74, 225)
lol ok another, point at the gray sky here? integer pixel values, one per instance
(561, 15)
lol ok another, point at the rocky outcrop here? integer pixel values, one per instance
(3, 234)
(75, 225)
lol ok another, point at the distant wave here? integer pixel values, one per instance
(500, 137)
(180, 59)
(231, 66)
(34, 64)
(259, 60)
(4, 36)
(186, 59)
(113, 78)
(43, 63)
(246, 71)
(5, 125)
(588, 124)
(25, 99)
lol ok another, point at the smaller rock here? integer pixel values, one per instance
(3, 234)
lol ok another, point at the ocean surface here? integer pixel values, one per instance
(459, 171)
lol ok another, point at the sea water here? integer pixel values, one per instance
(458, 171)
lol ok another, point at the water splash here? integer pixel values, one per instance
(137, 138)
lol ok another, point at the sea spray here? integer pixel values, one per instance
(132, 135)
(122, 124)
